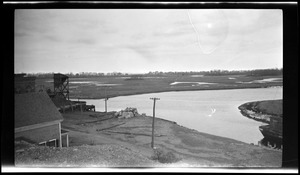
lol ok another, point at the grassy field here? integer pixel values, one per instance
(109, 86)
(262, 110)
(270, 107)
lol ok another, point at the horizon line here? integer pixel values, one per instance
(146, 72)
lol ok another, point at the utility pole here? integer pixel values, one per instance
(105, 99)
(154, 100)
(105, 103)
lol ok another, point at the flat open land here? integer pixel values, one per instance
(113, 86)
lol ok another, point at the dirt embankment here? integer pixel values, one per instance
(108, 155)
(103, 140)
(262, 110)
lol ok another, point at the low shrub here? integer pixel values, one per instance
(92, 142)
(164, 157)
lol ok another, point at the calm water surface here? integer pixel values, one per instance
(211, 111)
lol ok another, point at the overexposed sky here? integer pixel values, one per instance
(143, 40)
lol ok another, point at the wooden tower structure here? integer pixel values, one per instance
(61, 85)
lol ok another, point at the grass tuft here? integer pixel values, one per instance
(164, 157)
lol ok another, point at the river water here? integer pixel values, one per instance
(211, 111)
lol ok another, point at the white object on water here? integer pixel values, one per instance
(213, 110)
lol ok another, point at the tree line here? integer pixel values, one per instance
(217, 72)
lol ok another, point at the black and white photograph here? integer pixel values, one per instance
(148, 88)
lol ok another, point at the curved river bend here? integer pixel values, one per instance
(211, 111)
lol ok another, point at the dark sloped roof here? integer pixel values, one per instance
(33, 108)
(19, 75)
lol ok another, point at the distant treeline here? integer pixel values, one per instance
(255, 72)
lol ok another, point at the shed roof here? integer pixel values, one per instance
(34, 108)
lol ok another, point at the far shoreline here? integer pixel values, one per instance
(179, 90)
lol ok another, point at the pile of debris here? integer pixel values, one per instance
(127, 113)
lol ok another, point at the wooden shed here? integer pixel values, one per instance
(37, 119)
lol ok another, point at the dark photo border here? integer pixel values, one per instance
(290, 62)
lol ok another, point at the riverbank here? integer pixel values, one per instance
(262, 110)
(184, 147)
(170, 90)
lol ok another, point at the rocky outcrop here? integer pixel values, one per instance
(127, 113)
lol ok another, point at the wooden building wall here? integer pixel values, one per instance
(41, 134)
